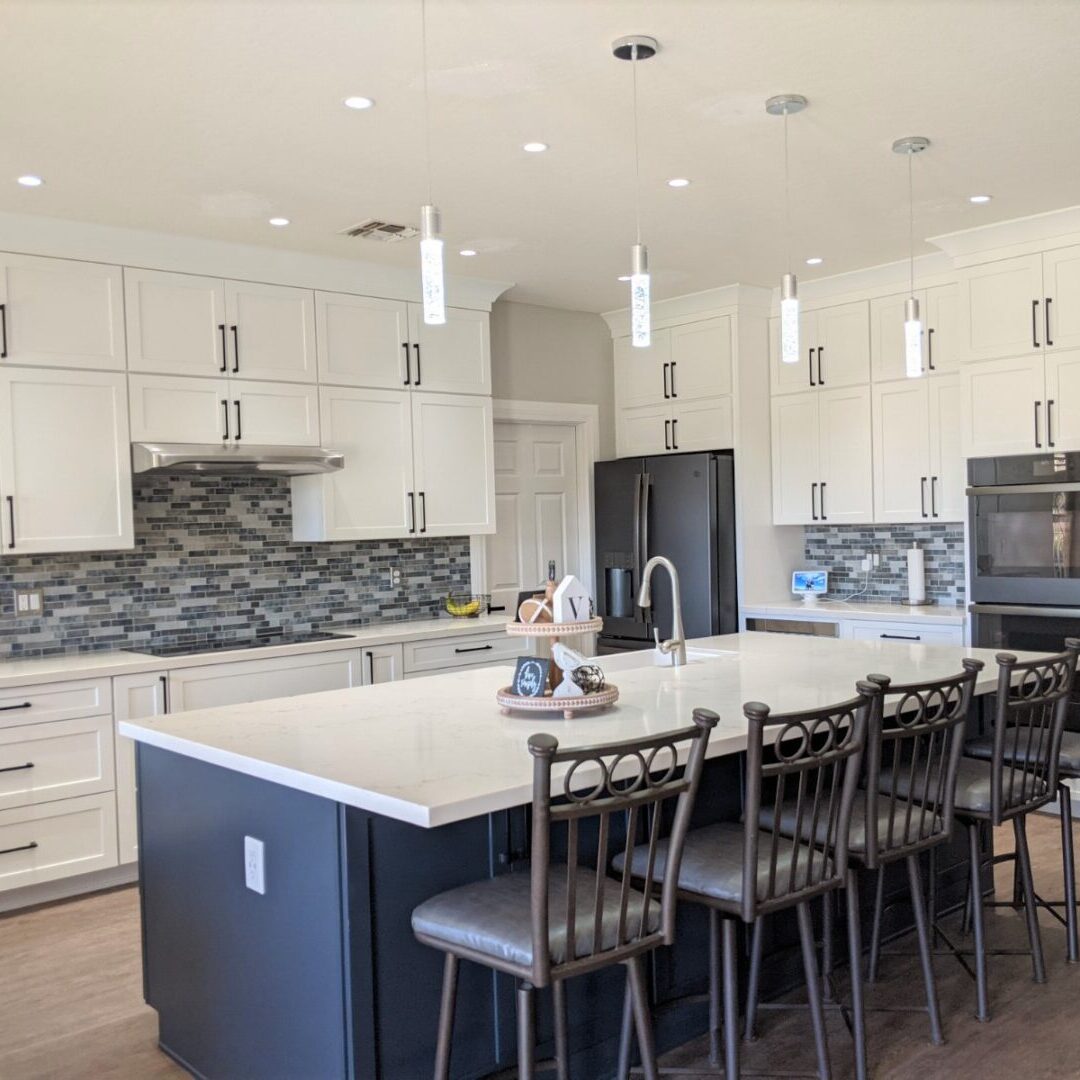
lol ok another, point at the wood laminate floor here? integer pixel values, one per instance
(71, 1001)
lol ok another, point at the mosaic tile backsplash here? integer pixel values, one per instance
(215, 555)
(840, 549)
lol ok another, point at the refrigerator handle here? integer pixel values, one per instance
(635, 583)
(646, 482)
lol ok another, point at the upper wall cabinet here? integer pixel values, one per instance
(454, 358)
(61, 313)
(939, 316)
(271, 331)
(834, 350)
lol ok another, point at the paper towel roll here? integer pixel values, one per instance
(916, 575)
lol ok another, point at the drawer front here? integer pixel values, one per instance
(55, 701)
(905, 633)
(57, 840)
(40, 763)
(436, 654)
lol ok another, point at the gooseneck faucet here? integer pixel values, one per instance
(675, 646)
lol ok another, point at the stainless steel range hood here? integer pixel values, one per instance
(218, 458)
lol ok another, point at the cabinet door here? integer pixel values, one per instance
(274, 414)
(271, 331)
(887, 356)
(65, 461)
(700, 360)
(941, 329)
(453, 464)
(1061, 285)
(948, 468)
(997, 318)
(1001, 410)
(792, 378)
(643, 430)
(135, 697)
(168, 409)
(175, 323)
(702, 425)
(847, 481)
(383, 663)
(842, 338)
(901, 450)
(61, 313)
(795, 463)
(642, 375)
(454, 358)
(369, 498)
(1063, 400)
(362, 341)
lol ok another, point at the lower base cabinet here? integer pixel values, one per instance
(135, 697)
(902, 633)
(383, 663)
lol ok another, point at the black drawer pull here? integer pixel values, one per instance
(224, 349)
(903, 637)
(371, 667)
(667, 395)
(11, 519)
(3, 328)
(235, 349)
(236, 437)
(496, 607)
(225, 410)
(18, 768)
(667, 434)
(476, 648)
(408, 370)
(1035, 323)
(674, 392)
(9, 708)
(25, 847)
(416, 348)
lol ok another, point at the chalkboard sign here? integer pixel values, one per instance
(531, 676)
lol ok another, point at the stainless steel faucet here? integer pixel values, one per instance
(675, 646)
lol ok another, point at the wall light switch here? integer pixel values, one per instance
(29, 602)
(254, 865)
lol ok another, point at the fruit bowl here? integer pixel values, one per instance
(466, 605)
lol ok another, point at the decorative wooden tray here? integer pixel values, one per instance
(509, 701)
(554, 629)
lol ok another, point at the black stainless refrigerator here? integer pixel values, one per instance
(681, 506)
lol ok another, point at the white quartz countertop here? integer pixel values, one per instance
(91, 665)
(829, 610)
(436, 750)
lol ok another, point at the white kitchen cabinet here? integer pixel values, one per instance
(641, 374)
(271, 331)
(168, 409)
(362, 341)
(453, 464)
(705, 424)
(1001, 406)
(938, 307)
(135, 697)
(61, 313)
(453, 358)
(700, 357)
(1061, 288)
(795, 458)
(1063, 400)
(383, 663)
(273, 413)
(1001, 309)
(644, 429)
(55, 701)
(370, 498)
(903, 633)
(948, 468)
(834, 350)
(941, 322)
(432, 655)
(65, 461)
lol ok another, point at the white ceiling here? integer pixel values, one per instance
(206, 117)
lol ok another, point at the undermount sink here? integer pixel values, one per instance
(629, 661)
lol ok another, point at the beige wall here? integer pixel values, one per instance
(550, 354)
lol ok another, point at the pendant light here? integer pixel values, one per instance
(634, 48)
(913, 360)
(784, 105)
(431, 245)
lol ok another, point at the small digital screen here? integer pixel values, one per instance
(810, 581)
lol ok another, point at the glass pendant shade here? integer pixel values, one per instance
(913, 361)
(789, 320)
(640, 322)
(431, 266)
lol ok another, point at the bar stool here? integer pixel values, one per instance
(743, 872)
(558, 921)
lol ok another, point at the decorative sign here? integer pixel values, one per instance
(571, 602)
(531, 676)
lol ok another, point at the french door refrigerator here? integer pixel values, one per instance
(681, 506)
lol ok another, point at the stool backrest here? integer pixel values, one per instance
(637, 779)
(919, 746)
(814, 765)
(1032, 701)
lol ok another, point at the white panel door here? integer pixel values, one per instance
(846, 447)
(795, 458)
(1001, 309)
(369, 499)
(135, 697)
(901, 450)
(271, 331)
(887, 355)
(454, 358)
(362, 341)
(536, 505)
(274, 413)
(707, 424)
(645, 429)
(65, 461)
(642, 375)
(1001, 406)
(941, 329)
(61, 313)
(700, 360)
(948, 468)
(793, 378)
(382, 663)
(167, 409)
(175, 323)
(1061, 284)
(453, 464)
(842, 340)
(1063, 400)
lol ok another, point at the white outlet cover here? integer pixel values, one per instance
(255, 865)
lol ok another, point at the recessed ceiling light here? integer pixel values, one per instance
(31, 181)
(279, 222)
(467, 252)
(979, 198)
(535, 147)
(678, 181)
(358, 103)
(624, 277)
(814, 260)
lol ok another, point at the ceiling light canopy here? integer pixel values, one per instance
(913, 363)
(358, 102)
(534, 147)
(29, 180)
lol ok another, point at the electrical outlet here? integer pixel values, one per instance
(866, 564)
(29, 602)
(393, 577)
(877, 560)
(254, 865)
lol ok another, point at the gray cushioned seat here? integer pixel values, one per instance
(493, 917)
(712, 863)
(972, 784)
(1068, 758)
(931, 823)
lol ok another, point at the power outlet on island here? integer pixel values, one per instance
(254, 865)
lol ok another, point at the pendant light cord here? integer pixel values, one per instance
(637, 151)
(427, 97)
(911, 220)
(787, 191)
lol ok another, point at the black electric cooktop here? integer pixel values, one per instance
(209, 645)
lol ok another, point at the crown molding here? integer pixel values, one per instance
(1034, 230)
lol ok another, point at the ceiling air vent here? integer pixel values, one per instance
(385, 232)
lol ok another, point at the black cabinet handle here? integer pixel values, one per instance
(423, 512)
(417, 348)
(823, 517)
(674, 435)
(903, 637)
(224, 348)
(495, 607)
(922, 495)
(1046, 320)
(24, 847)
(820, 370)
(236, 437)
(11, 519)
(371, 667)
(667, 434)
(813, 501)
(810, 365)
(1049, 419)
(225, 409)
(235, 349)
(12, 708)
(930, 349)
(164, 680)
(476, 648)
(666, 394)
(3, 331)
(674, 392)
(408, 370)
(1035, 323)
(412, 512)
(1038, 444)
(933, 496)
(18, 768)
